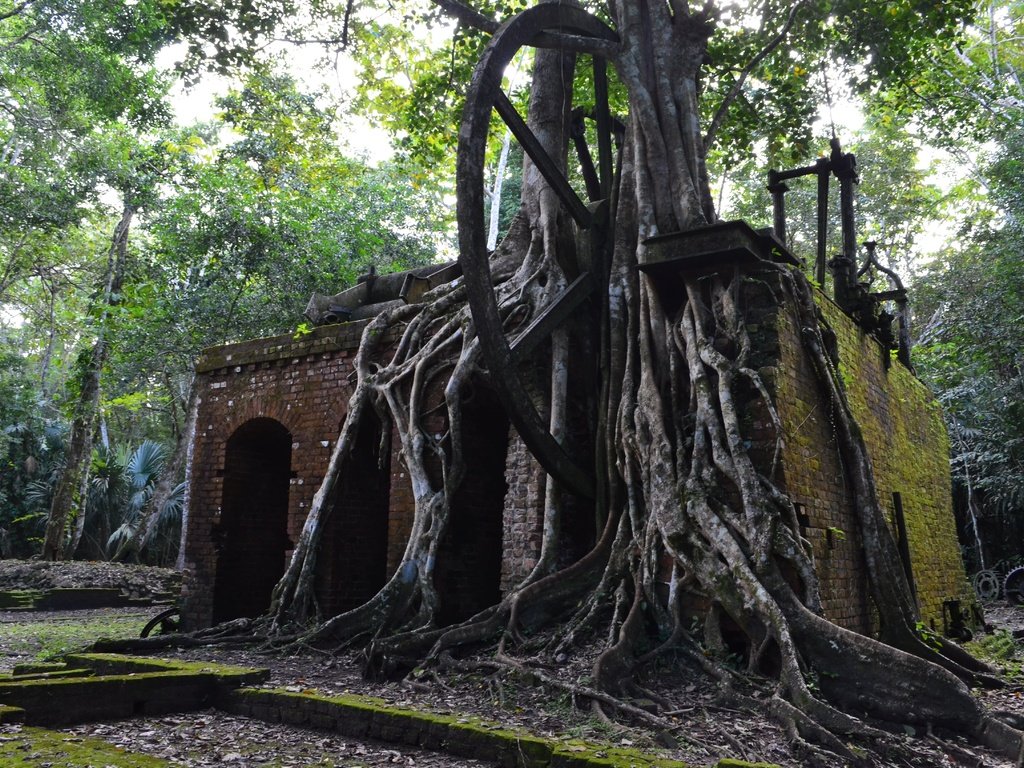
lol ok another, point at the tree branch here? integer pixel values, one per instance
(566, 42)
(15, 11)
(468, 16)
(775, 42)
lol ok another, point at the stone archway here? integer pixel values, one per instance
(251, 536)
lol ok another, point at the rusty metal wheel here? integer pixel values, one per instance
(1013, 587)
(986, 585)
(167, 621)
(551, 25)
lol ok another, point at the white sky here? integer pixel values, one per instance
(196, 104)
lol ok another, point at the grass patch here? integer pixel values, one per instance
(1000, 649)
(46, 640)
(37, 746)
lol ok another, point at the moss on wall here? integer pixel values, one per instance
(906, 439)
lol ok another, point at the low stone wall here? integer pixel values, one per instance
(111, 686)
(360, 717)
(124, 687)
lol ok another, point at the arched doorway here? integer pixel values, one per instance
(252, 534)
(352, 565)
(468, 571)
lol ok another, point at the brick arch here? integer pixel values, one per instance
(258, 407)
(251, 530)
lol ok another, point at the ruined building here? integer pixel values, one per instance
(270, 410)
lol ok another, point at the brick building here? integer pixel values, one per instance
(270, 411)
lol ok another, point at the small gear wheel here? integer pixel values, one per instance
(1013, 587)
(986, 585)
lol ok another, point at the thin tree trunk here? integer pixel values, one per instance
(188, 438)
(499, 180)
(70, 496)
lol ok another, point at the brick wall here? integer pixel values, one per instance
(302, 386)
(906, 439)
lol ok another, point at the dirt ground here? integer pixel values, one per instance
(703, 730)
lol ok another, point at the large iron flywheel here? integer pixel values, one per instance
(546, 23)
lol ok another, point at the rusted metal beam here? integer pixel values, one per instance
(549, 169)
(821, 256)
(553, 315)
(778, 190)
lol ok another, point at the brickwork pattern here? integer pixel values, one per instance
(304, 385)
(907, 443)
(523, 521)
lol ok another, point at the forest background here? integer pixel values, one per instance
(130, 241)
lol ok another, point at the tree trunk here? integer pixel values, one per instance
(188, 437)
(70, 496)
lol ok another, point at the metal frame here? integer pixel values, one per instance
(483, 95)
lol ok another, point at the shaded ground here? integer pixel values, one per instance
(703, 729)
(215, 738)
(134, 580)
(200, 739)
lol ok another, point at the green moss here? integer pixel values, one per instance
(36, 746)
(10, 714)
(38, 668)
(1001, 649)
(59, 674)
(466, 736)
(575, 753)
(902, 427)
(116, 663)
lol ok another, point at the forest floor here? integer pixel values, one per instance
(703, 729)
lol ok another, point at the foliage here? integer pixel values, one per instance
(31, 452)
(121, 485)
(75, 82)
(970, 348)
(897, 203)
(970, 89)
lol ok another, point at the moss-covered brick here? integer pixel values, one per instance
(120, 664)
(9, 714)
(52, 702)
(19, 599)
(38, 667)
(906, 439)
(56, 675)
(360, 717)
(114, 685)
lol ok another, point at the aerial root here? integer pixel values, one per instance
(575, 690)
(805, 732)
